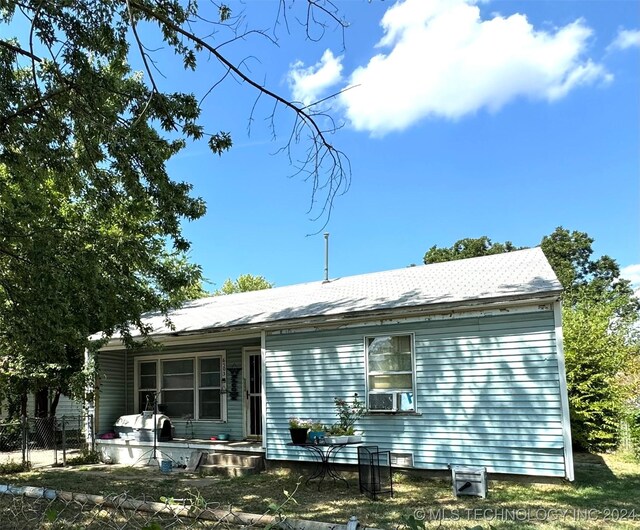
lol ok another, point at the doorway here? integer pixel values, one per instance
(252, 371)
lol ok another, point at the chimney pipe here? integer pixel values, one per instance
(326, 257)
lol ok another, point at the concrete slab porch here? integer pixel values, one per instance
(178, 451)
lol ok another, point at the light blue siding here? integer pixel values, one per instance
(110, 398)
(487, 392)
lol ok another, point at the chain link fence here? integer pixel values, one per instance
(38, 508)
(45, 441)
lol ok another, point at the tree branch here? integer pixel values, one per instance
(31, 107)
(19, 50)
(338, 172)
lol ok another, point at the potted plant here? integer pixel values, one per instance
(348, 413)
(337, 435)
(298, 429)
(316, 432)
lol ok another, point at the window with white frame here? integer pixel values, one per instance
(187, 386)
(390, 373)
(210, 402)
(147, 384)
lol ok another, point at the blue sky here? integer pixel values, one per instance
(503, 119)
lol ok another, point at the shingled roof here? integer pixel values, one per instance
(519, 275)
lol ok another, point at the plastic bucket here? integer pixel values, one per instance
(165, 466)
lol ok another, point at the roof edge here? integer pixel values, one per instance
(357, 317)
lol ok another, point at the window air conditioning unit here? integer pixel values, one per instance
(387, 402)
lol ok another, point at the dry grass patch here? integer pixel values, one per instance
(604, 495)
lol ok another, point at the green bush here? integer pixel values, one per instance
(599, 353)
(9, 468)
(633, 420)
(85, 457)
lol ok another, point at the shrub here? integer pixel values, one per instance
(599, 351)
(11, 467)
(85, 457)
(633, 421)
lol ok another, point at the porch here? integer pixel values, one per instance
(208, 388)
(226, 455)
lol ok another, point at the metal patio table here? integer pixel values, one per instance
(324, 456)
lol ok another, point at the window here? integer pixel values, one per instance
(147, 385)
(390, 374)
(210, 402)
(177, 388)
(187, 386)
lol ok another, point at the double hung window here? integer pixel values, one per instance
(390, 373)
(185, 386)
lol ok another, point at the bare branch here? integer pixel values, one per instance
(143, 55)
(19, 50)
(321, 151)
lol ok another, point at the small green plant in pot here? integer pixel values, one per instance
(348, 413)
(298, 429)
(317, 432)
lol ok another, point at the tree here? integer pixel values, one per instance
(601, 352)
(585, 278)
(90, 220)
(467, 248)
(243, 284)
(601, 343)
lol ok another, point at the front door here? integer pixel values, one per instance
(253, 392)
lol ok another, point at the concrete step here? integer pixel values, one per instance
(234, 459)
(228, 470)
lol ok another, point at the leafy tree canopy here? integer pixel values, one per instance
(90, 220)
(467, 248)
(244, 283)
(570, 254)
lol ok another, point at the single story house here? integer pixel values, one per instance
(459, 363)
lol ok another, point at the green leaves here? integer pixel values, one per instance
(90, 234)
(220, 142)
(601, 353)
(467, 248)
(244, 283)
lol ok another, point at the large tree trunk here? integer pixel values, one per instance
(42, 403)
(54, 402)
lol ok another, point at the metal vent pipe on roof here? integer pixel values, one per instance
(326, 256)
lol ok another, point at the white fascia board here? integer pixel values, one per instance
(541, 305)
(396, 315)
(180, 340)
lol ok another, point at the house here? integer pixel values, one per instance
(67, 406)
(458, 363)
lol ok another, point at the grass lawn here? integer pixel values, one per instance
(605, 494)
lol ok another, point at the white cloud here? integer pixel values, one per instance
(307, 84)
(441, 59)
(626, 38)
(632, 273)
